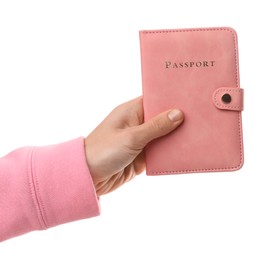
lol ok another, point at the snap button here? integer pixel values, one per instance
(226, 98)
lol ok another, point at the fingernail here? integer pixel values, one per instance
(175, 115)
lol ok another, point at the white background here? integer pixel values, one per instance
(65, 64)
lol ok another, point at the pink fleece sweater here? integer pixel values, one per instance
(41, 187)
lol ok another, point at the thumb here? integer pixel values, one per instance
(158, 126)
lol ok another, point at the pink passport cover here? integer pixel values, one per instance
(197, 71)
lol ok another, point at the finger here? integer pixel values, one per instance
(158, 126)
(126, 114)
(139, 163)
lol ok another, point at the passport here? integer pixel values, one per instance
(197, 71)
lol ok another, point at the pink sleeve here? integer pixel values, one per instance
(41, 187)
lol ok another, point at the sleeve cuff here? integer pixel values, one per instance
(63, 189)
